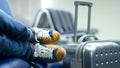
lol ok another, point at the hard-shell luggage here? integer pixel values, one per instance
(88, 51)
(97, 54)
(92, 54)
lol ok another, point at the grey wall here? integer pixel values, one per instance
(105, 14)
(25, 10)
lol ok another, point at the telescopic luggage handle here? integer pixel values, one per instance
(83, 3)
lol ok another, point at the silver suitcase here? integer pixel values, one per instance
(97, 54)
(90, 52)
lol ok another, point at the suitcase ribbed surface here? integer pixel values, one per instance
(101, 55)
